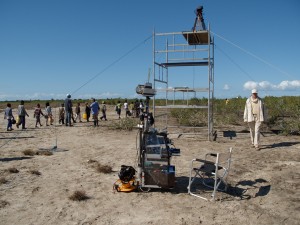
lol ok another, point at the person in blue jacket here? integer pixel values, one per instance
(95, 111)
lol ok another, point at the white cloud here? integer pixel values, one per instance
(289, 84)
(249, 85)
(226, 87)
(266, 85)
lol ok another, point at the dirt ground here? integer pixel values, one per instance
(264, 185)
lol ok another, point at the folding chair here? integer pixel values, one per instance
(211, 171)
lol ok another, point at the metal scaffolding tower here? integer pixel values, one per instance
(178, 51)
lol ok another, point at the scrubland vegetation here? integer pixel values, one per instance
(283, 113)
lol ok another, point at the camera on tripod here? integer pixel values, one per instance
(145, 90)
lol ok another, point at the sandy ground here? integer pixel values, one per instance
(264, 185)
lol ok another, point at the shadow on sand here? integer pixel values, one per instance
(281, 144)
(247, 189)
(14, 159)
(240, 191)
(53, 149)
(9, 138)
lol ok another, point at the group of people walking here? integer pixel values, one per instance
(254, 114)
(132, 109)
(22, 113)
(65, 112)
(68, 116)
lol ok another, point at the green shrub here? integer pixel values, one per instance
(283, 113)
(124, 124)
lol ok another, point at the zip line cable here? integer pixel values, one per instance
(255, 56)
(237, 65)
(113, 63)
(248, 75)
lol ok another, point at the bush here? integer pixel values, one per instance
(13, 170)
(190, 117)
(79, 196)
(29, 152)
(124, 124)
(3, 180)
(282, 113)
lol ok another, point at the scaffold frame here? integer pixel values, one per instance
(196, 49)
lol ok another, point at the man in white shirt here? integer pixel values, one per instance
(126, 108)
(254, 116)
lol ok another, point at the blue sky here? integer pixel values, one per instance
(51, 48)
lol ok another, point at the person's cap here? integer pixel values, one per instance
(68, 96)
(254, 91)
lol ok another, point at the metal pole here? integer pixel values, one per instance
(213, 87)
(153, 64)
(209, 86)
(167, 81)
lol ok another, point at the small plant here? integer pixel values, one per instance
(190, 117)
(29, 152)
(104, 168)
(92, 161)
(3, 203)
(124, 124)
(13, 170)
(100, 168)
(3, 180)
(35, 172)
(47, 153)
(79, 196)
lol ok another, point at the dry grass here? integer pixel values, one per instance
(32, 153)
(3, 203)
(47, 153)
(79, 196)
(124, 124)
(3, 180)
(29, 152)
(36, 189)
(92, 161)
(103, 168)
(13, 170)
(100, 168)
(35, 172)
